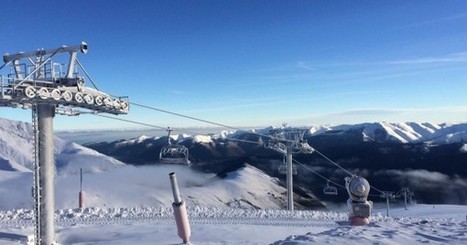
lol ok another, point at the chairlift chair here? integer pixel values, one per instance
(174, 154)
(330, 190)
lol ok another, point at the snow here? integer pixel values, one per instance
(206, 139)
(440, 224)
(132, 205)
(16, 147)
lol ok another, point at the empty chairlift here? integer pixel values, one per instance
(173, 154)
(282, 170)
(330, 190)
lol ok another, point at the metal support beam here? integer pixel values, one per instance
(388, 195)
(37, 184)
(290, 203)
(45, 115)
(387, 206)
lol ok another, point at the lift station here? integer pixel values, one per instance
(34, 81)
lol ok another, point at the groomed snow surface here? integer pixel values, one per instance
(132, 205)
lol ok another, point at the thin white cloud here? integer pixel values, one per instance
(379, 111)
(450, 58)
(177, 92)
(305, 66)
(455, 17)
(238, 104)
(360, 115)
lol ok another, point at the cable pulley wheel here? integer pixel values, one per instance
(30, 92)
(67, 96)
(43, 93)
(56, 94)
(88, 99)
(98, 100)
(79, 97)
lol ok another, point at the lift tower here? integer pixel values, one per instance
(34, 81)
(288, 141)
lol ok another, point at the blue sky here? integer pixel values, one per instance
(258, 63)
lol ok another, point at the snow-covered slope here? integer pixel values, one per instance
(16, 152)
(130, 186)
(108, 182)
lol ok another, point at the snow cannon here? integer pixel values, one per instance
(180, 213)
(359, 207)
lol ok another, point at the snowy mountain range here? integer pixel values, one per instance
(390, 155)
(409, 132)
(241, 204)
(111, 183)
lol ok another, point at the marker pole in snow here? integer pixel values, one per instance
(180, 213)
(81, 193)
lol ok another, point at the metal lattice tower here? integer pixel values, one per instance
(388, 195)
(288, 141)
(35, 81)
(407, 194)
(36, 176)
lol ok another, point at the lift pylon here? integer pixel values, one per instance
(288, 141)
(36, 81)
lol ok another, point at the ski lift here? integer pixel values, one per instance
(283, 168)
(173, 154)
(330, 190)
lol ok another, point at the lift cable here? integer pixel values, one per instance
(185, 116)
(337, 184)
(203, 120)
(165, 128)
(311, 170)
(131, 121)
(225, 126)
(230, 139)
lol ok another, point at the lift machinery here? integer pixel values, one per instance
(49, 83)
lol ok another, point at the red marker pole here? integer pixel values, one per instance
(180, 213)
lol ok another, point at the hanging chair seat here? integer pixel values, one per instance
(174, 154)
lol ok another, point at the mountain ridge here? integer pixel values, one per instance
(389, 155)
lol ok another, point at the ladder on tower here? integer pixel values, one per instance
(37, 186)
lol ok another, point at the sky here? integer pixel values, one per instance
(257, 63)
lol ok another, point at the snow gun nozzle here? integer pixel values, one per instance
(175, 190)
